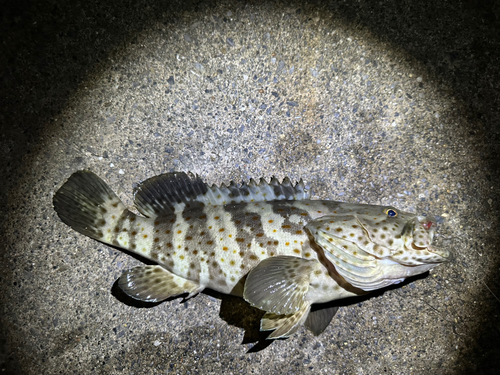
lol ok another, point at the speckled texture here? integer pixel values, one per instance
(384, 102)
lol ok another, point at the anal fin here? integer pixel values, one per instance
(155, 283)
(319, 319)
(284, 325)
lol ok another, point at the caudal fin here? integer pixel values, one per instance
(88, 205)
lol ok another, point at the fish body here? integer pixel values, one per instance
(266, 242)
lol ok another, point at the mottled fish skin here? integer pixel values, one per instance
(293, 252)
(217, 245)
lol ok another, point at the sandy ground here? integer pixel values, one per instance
(384, 102)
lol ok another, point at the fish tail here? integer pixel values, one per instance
(89, 206)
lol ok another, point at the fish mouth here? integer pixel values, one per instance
(415, 255)
(443, 254)
(418, 248)
(418, 235)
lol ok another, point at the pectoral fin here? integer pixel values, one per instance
(155, 283)
(284, 325)
(279, 285)
(318, 320)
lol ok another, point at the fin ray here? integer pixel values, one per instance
(174, 192)
(284, 325)
(279, 284)
(155, 283)
(319, 319)
(87, 204)
(168, 193)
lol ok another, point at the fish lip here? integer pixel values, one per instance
(446, 255)
(443, 254)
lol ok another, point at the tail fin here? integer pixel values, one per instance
(88, 205)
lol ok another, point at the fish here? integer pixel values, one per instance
(267, 242)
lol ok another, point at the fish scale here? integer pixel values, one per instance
(267, 242)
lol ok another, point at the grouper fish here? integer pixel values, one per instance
(267, 242)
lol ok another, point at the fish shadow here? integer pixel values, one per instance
(237, 312)
(234, 311)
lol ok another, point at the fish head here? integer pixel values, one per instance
(400, 236)
(375, 246)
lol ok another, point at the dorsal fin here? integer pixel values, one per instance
(174, 192)
(168, 193)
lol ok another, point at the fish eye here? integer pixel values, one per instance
(391, 213)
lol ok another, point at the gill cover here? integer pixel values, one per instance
(358, 267)
(376, 247)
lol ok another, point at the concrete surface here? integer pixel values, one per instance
(387, 102)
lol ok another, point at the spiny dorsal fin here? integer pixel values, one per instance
(177, 191)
